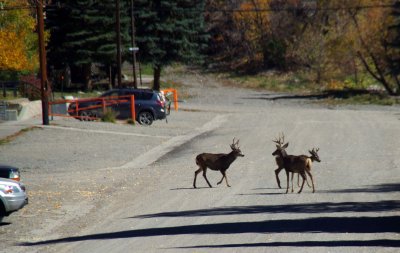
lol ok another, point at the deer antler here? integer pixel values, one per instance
(281, 139)
(235, 145)
(314, 150)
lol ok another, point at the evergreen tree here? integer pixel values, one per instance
(83, 32)
(168, 31)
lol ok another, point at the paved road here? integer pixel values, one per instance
(355, 208)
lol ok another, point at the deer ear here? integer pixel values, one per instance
(286, 145)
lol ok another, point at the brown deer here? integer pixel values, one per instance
(294, 164)
(279, 160)
(314, 157)
(219, 162)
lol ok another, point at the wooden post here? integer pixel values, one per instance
(43, 67)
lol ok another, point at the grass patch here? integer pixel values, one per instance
(109, 116)
(131, 122)
(12, 137)
(331, 92)
(273, 81)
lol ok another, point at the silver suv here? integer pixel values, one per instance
(12, 197)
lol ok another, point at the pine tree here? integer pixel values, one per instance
(83, 32)
(169, 31)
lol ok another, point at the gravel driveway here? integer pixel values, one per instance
(99, 187)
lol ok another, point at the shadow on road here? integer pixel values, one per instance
(337, 94)
(381, 188)
(385, 224)
(322, 207)
(354, 243)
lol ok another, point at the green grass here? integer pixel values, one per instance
(346, 91)
(109, 116)
(12, 137)
(131, 122)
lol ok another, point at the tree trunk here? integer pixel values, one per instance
(113, 76)
(87, 72)
(157, 75)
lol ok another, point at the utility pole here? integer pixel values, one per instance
(133, 46)
(43, 66)
(118, 40)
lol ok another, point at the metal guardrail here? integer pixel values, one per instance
(84, 113)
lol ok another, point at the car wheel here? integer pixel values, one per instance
(2, 211)
(94, 116)
(85, 115)
(145, 118)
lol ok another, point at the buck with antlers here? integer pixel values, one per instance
(294, 164)
(217, 162)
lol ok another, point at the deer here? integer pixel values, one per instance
(217, 162)
(279, 162)
(294, 164)
(314, 158)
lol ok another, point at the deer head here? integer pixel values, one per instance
(314, 154)
(280, 150)
(235, 148)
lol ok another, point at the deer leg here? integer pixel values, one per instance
(226, 178)
(277, 177)
(223, 175)
(195, 175)
(312, 180)
(298, 181)
(292, 181)
(205, 177)
(287, 181)
(303, 175)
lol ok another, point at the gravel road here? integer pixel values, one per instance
(99, 187)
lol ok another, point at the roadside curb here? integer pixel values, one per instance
(156, 153)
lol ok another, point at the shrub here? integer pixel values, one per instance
(109, 116)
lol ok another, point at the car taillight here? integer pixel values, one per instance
(14, 175)
(161, 103)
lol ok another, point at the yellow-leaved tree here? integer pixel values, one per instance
(18, 47)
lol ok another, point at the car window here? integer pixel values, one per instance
(137, 94)
(113, 93)
(147, 95)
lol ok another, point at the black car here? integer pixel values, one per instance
(9, 172)
(149, 105)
